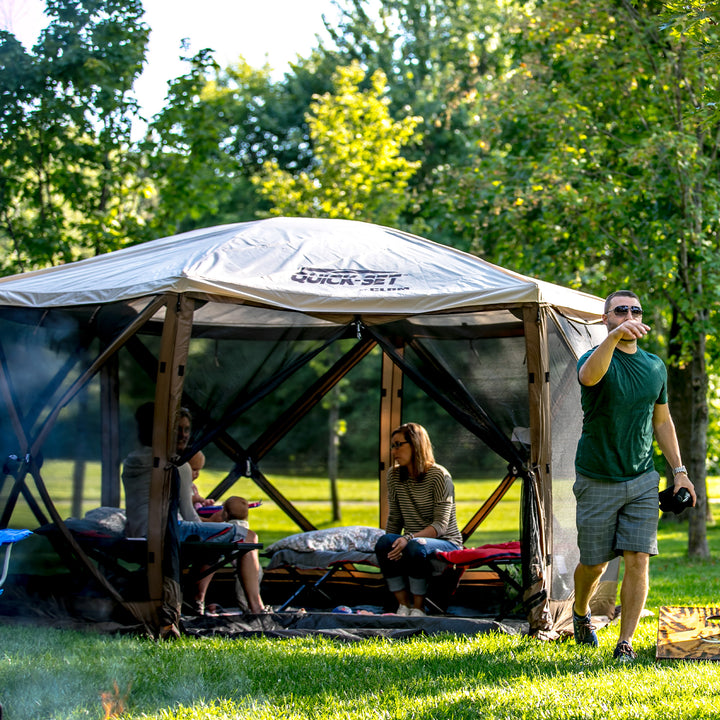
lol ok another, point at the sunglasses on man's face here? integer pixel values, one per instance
(621, 310)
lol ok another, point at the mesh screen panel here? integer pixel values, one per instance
(566, 415)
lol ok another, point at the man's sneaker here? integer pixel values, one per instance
(403, 610)
(624, 652)
(584, 630)
(417, 612)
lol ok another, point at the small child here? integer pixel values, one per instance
(234, 510)
(197, 463)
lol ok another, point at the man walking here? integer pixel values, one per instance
(624, 402)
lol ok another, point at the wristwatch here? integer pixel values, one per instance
(679, 469)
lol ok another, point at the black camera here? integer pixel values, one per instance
(671, 501)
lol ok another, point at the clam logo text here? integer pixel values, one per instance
(374, 280)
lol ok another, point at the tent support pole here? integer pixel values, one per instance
(240, 457)
(487, 507)
(164, 592)
(227, 444)
(281, 426)
(536, 342)
(29, 465)
(275, 432)
(539, 560)
(309, 399)
(85, 378)
(19, 486)
(390, 417)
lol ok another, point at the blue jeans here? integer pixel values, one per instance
(413, 569)
(208, 532)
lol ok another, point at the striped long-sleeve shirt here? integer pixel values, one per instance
(428, 500)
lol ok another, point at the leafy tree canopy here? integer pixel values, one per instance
(358, 171)
(68, 187)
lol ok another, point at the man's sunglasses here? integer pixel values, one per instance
(621, 310)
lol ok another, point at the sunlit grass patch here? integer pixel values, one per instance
(47, 674)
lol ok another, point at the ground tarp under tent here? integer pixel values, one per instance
(221, 320)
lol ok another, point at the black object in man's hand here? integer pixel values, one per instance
(671, 501)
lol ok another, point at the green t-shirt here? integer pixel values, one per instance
(617, 433)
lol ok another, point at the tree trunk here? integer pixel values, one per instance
(334, 442)
(687, 389)
(76, 509)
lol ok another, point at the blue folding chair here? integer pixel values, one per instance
(7, 538)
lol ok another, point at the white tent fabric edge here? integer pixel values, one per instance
(309, 265)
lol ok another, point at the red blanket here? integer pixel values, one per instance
(499, 552)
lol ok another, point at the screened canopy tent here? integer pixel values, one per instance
(220, 320)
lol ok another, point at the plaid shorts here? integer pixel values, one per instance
(612, 517)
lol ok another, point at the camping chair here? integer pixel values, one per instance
(199, 559)
(498, 558)
(7, 538)
(122, 556)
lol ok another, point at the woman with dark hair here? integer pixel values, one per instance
(137, 477)
(421, 518)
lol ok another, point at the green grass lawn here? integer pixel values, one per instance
(61, 674)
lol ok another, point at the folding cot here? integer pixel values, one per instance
(312, 561)
(100, 535)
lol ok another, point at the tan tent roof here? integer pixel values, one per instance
(315, 266)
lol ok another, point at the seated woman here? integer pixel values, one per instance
(136, 478)
(421, 519)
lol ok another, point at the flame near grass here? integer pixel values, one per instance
(113, 703)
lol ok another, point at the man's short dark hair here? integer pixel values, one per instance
(619, 293)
